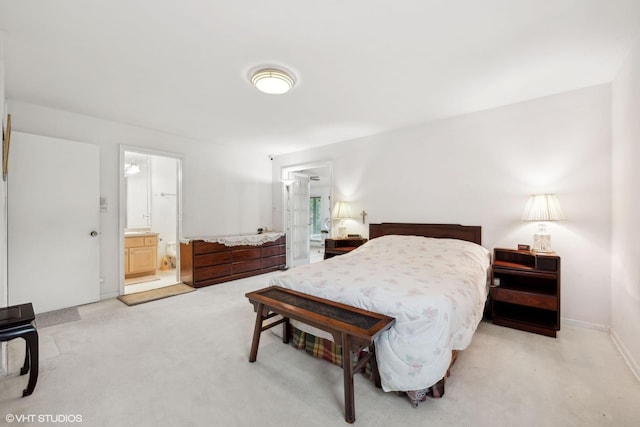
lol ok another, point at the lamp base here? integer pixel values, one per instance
(342, 232)
(542, 243)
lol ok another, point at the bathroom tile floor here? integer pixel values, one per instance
(160, 280)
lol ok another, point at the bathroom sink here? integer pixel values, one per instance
(139, 233)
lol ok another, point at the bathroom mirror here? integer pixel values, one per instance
(137, 173)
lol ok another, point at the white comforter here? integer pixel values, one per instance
(435, 288)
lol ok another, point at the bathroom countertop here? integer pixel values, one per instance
(239, 239)
(139, 233)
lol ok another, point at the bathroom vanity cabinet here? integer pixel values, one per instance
(204, 263)
(140, 254)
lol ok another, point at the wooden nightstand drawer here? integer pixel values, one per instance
(529, 299)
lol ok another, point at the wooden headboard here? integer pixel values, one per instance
(470, 233)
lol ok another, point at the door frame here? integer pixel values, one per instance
(122, 217)
(284, 175)
(299, 193)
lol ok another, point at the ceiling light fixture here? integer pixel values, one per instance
(272, 81)
(131, 169)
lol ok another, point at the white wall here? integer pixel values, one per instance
(479, 169)
(226, 190)
(3, 216)
(625, 284)
(3, 194)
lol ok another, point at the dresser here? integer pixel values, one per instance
(204, 263)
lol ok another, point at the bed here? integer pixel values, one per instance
(431, 277)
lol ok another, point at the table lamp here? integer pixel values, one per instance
(342, 212)
(542, 208)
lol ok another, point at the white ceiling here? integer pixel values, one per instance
(362, 66)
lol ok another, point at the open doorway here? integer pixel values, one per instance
(307, 210)
(150, 214)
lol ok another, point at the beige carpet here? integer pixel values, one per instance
(155, 294)
(185, 362)
(57, 317)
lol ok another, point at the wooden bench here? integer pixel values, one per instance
(351, 327)
(18, 322)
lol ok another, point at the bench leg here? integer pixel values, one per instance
(347, 367)
(26, 365)
(285, 330)
(374, 367)
(256, 334)
(31, 338)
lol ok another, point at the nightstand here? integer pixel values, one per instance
(333, 247)
(525, 291)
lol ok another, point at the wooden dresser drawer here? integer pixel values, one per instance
(268, 251)
(205, 273)
(245, 254)
(212, 259)
(208, 247)
(242, 267)
(274, 261)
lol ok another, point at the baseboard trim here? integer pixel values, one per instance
(626, 355)
(586, 325)
(3, 359)
(109, 295)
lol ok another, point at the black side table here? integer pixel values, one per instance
(18, 322)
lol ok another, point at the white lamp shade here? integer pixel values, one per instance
(342, 210)
(543, 207)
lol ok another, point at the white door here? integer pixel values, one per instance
(299, 220)
(53, 222)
